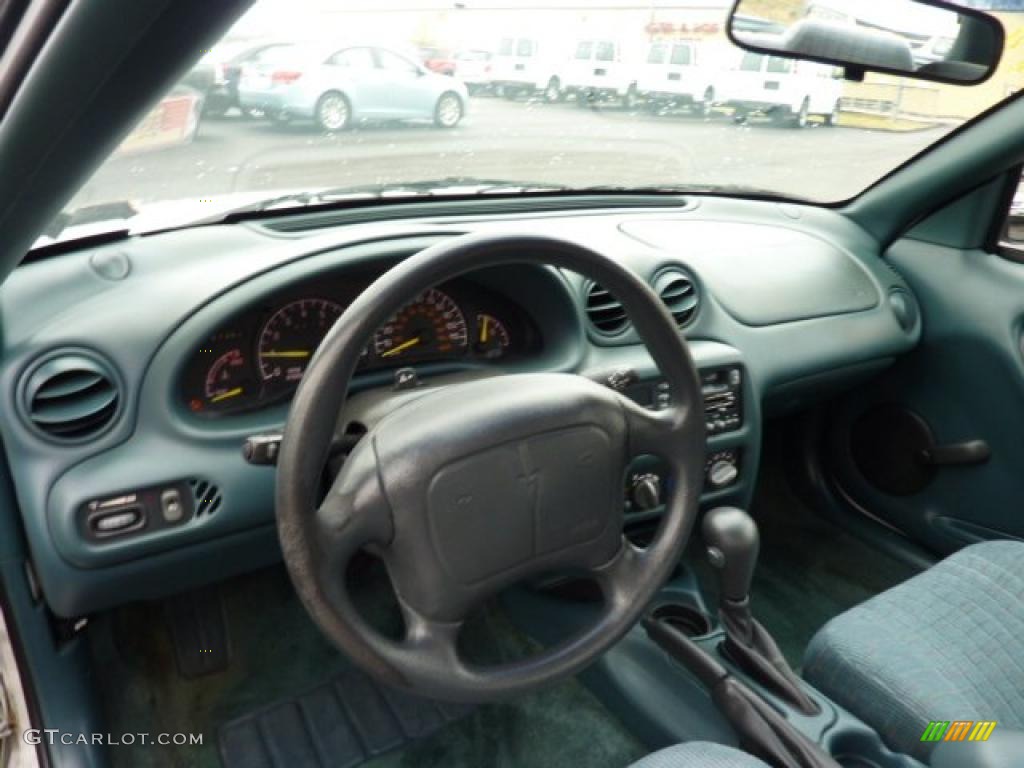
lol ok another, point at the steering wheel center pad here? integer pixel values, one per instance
(493, 481)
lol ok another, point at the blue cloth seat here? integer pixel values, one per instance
(699, 754)
(947, 644)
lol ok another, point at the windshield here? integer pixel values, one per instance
(303, 96)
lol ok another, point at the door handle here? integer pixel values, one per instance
(957, 454)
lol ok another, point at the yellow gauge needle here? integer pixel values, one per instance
(483, 329)
(225, 395)
(401, 347)
(287, 353)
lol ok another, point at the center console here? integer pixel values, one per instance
(729, 431)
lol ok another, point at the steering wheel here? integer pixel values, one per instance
(468, 489)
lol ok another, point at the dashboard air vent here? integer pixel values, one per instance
(605, 312)
(71, 397)
(679, 293)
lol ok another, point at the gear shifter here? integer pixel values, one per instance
(733, 543)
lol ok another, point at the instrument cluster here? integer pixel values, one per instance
(259, 357)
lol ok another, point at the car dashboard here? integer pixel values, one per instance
(138, 371)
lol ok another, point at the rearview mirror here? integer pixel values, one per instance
(926, 39)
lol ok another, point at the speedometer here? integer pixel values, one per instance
(431, 326)
(290, 337)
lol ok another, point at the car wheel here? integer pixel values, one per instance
(799, 120)
(832, 119)
(740, 118)
(631, 99)
(333, 112)
(553, 91)
(215, 108)
(448, 111)
(704, 108)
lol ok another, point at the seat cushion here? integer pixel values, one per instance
(699, 754)
(947, 644)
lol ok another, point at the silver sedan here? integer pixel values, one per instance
(336, 86)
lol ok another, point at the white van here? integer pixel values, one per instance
(524, 66)
(673, 74)
(784, 89)
(600, 69)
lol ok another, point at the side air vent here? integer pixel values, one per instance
(604, 311)
(71, 397)
(206, 496)
(677, 290)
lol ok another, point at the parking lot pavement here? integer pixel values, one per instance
(523, 141)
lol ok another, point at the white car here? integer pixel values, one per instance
(784, 89)
(600, 69)
(526, 65)
(674, 75)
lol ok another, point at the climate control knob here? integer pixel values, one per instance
(722, 473)
(646, 491)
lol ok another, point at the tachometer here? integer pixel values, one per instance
(291, 336)
(432, 325)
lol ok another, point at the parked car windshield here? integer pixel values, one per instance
(304, 97)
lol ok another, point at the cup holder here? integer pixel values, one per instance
(687, 619)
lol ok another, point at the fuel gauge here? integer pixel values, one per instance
(228, 381)
(491, 339)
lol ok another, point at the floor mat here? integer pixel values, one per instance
(277, 652)
(809, 569)
(339, 724)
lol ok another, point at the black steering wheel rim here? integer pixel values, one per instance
(359, 511)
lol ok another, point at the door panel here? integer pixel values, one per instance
(353, 72)
(405, 91)
(965, 383)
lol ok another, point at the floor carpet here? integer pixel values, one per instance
(278, 652)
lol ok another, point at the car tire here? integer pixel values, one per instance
(215, 108)
(740, 118)
(449, 110)
(832, 119)
(631, 99)
(333, 112)
(800, 118)
(553, 91)
(705, 107)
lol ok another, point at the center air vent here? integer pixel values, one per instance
(71, 397)
(677, 290)
(605, 311)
